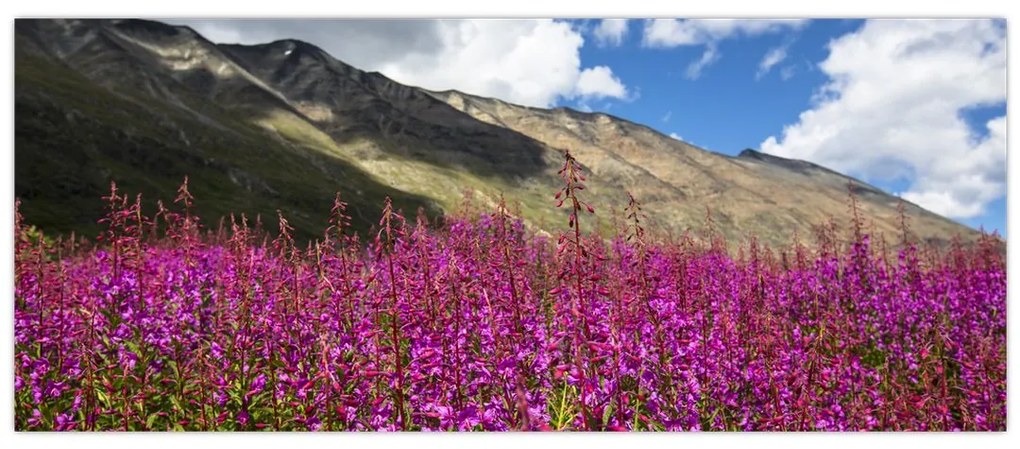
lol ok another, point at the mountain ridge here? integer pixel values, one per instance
(281, 125)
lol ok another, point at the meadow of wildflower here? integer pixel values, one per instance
(480, 323)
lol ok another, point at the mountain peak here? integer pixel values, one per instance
(751, 153)
(292, 46)
(282, 49)
(152, 26)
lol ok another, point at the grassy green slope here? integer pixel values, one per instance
(72, 137)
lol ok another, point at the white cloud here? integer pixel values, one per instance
(962, 187)
(535, 62)
(787, 72)
(610, 32)
(667, 116)
(773, 57)
(599, 82)
(892, 111)
(676, 136)
(710, 56)
(669, 33)
(680, 32)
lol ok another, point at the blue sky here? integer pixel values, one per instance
(914, 107)
(727, 108)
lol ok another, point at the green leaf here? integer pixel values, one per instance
(150, 420)
(176, 402)
(131, 345)
(103, 397)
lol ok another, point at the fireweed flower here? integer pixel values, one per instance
(480, 323)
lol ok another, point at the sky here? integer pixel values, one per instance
(916, 107)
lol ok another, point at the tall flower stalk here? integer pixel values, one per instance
(483, 323)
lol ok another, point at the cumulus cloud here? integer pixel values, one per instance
(531, 62)
(610, 32)
(670, 33)
(676, 136)
(963, 187)
(892, 110)
(599, 82)
(773, 57)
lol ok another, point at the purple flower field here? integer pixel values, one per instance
(482, 324)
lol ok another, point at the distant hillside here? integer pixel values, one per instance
(284, 125)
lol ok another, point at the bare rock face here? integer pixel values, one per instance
(283, 125)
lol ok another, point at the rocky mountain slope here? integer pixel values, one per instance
(764, 194)
(283, 125)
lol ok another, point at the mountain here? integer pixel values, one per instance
(284, 125)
